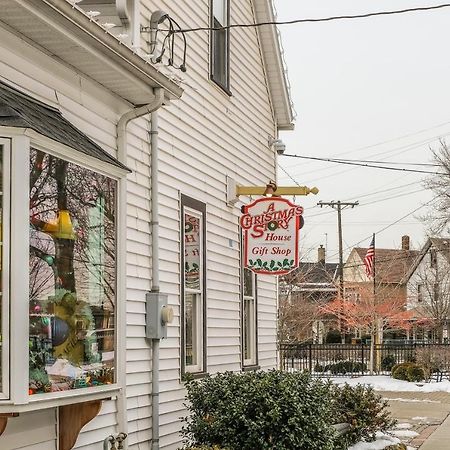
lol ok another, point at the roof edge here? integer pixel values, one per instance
(272, 55)
(94, 36)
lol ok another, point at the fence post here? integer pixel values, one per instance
(362, 358)
(310, 358)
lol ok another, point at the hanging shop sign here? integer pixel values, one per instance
(271, 234)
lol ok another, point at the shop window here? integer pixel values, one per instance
(220, 52)
(193, 306)
(249, 318)
(72, 276)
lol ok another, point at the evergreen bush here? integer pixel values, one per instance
(364, 410)
(408, 371)
(416, 373)
(388, 362)
(279, 410)
(260, 410)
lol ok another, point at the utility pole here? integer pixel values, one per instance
(338, 206)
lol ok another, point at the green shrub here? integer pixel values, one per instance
(408, 371)
(206, 447)
(260, 410)
(343, 367)
(364, 410)
(333, 337)
(400, 371)
(416, 373)
(388, 362)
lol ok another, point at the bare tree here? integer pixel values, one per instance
(300, 300)
(438, 216)
(433, 295)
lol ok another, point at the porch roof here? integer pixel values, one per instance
(20, 110)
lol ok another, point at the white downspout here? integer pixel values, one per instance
(155, 271)
(121, 304)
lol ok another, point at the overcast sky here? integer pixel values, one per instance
(375, 89)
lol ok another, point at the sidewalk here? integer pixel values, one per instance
(423, 418)
(439, 439)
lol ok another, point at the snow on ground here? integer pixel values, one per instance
(411, 400)
(421, 419)
(403, 426)
(386, 383)
(405, 433)
(382, 441)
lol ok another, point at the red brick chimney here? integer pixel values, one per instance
(405, 242)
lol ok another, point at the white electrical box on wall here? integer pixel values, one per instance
(159, 314)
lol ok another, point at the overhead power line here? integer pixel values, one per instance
(373, 166)
(317, 20)
(371, 161)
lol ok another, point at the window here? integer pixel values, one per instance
(249, 319)
(4, 275)
(220, 43)
(433, 258)
(72, 276)
(419, 293)
(193, 302)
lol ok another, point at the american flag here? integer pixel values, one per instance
(370, 258)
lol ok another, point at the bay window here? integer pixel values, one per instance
(193, 305)
(58, 260)
(72, 268)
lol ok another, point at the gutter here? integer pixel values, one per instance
(122, 124)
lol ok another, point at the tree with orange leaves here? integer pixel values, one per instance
(376, 313)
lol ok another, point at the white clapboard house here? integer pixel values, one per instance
(118, 213)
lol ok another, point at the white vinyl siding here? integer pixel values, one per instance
(196, 156)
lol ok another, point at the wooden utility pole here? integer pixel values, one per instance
(338, 206)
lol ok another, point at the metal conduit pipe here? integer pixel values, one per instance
(122, 156)
(154, 161)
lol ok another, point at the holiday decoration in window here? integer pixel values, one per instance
(72, 276)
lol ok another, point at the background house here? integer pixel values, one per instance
(428, 291)
(166, 224)
(386, 296)
(302, 292)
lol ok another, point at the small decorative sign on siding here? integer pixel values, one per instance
(271, 233)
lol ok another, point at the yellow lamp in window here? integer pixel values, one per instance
(62, 227)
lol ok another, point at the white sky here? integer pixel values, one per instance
(356, 84)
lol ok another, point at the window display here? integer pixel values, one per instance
(72, 275)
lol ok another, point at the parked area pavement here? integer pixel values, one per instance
(423, 418)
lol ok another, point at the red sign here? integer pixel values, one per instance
(271, 232)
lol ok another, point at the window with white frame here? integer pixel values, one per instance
(4, 263)
(193, 306)
(72, 276)
(249, 318)
(220, 39)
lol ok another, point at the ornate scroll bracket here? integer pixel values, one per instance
(4, 420)
(72, 418)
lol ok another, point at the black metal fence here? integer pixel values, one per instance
(348, 359)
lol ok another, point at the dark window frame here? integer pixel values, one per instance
(224, 86)
(196, 205)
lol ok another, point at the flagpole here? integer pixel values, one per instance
(374, 325)
(374, 262)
